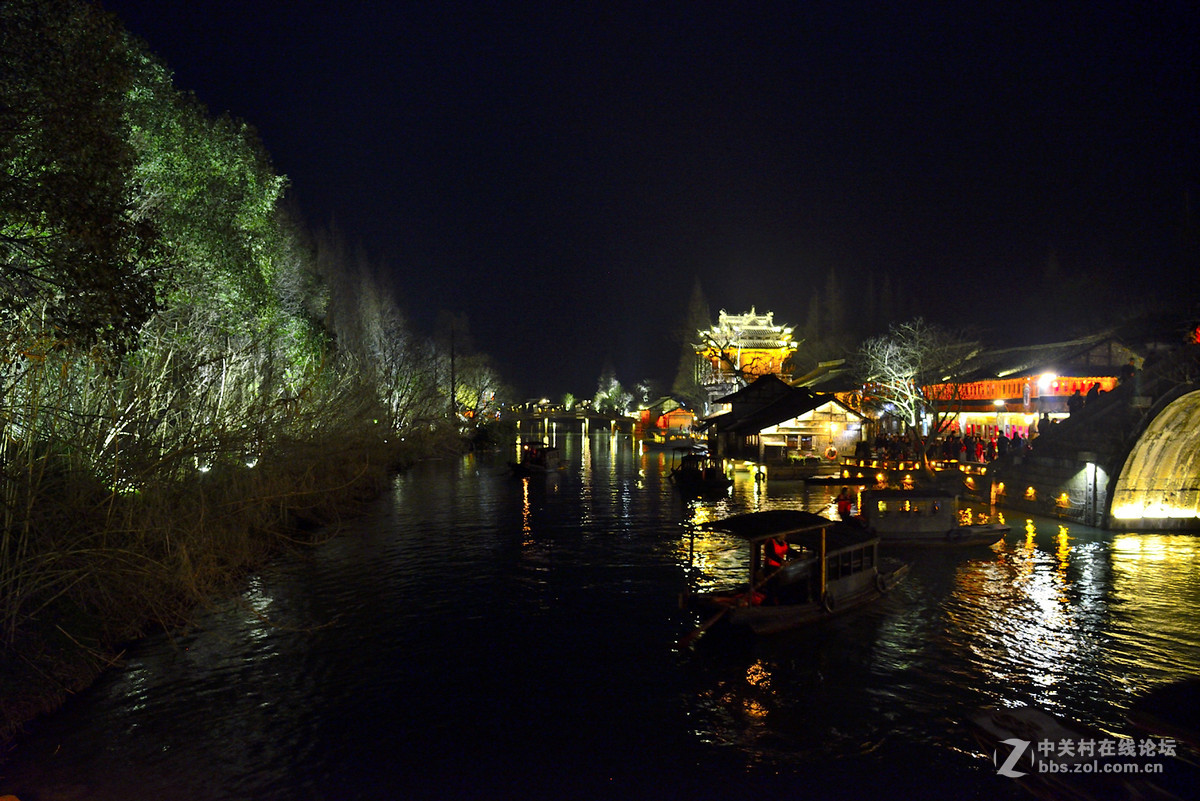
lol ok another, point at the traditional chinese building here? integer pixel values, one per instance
(666, 421)
(1010, 390)
(770, 422)
(741, 348)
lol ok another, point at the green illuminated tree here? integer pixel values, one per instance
(72, 256)
(610, 395)
(209, 187)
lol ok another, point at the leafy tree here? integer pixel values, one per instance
(610, 395)
(209, 187)
(908, 375)
(71, 254)
(479, 389)
(646, 392)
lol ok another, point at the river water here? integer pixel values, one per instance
(477, 635)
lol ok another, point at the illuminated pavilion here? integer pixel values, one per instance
(741, 348)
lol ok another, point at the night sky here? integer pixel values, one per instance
(563, 172)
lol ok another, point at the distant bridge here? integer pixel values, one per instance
(543, 425)
(1130, 460)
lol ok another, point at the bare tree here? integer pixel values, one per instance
(908, 375)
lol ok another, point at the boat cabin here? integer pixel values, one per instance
(536, 455)
(823, 560)
(698, 471)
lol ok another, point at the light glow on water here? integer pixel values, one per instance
(475, 630)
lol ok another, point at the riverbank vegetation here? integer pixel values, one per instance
(190, 380)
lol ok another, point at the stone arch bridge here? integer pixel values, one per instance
(1129, 461)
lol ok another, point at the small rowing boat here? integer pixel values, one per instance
(801, 569)
(923, 518)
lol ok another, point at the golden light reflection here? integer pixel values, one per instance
(526, 512)
(1155, 580)
(1015, 616)
(758, 675)
(1144, 547)
(753, 708)
(717, 560)
(1063, 553)
(702, 513)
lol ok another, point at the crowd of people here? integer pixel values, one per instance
(985, 447)
(969, 448)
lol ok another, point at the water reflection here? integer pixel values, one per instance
(479, 632)
(1074, 620)
(1014, 618)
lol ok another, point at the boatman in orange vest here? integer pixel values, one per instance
(777, 550)
(844, 503)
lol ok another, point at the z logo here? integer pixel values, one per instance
(1018, 748)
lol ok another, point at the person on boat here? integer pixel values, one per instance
(776, 555)
(844, 503)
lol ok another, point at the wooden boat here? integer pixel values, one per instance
(674, 438)
(829, 568)
(698, 473)
(923, 518)
(537, 457)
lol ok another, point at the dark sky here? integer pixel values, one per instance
(563, 172)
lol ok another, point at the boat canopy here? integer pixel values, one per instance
(793, 525)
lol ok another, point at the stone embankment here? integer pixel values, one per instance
(1071, 471)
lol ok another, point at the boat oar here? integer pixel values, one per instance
(687, 639)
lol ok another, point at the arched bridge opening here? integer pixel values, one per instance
(1159, 485)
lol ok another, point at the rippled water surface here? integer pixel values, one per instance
(477, 635)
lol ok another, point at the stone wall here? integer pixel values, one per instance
(1054, 487)
(1070, 471)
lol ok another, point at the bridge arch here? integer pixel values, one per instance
(1159, 485)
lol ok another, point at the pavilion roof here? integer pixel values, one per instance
(767, 402)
